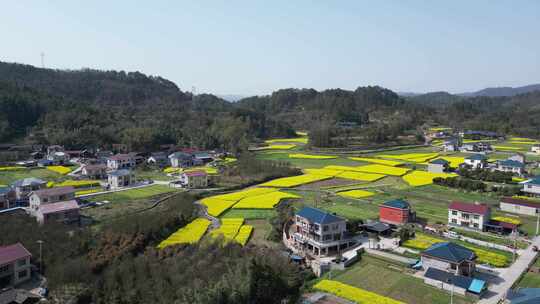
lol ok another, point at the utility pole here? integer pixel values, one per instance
(451, 291)
(40, 242)
(537, 221)
(42, 60)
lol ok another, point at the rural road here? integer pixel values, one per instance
(498, 290)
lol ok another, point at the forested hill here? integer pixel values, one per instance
(98, 108)
(107, 87)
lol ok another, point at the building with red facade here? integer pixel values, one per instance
(396, 212)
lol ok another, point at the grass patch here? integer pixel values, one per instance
(249, 214)
(8, 177)
(133, 194)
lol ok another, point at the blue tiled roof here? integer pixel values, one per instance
(511, 163)
(477, 157)
(398, 203)
(535, 181)
(318, 216)
(450, 252)
(524, 296)
(443, 276)
(439, 161)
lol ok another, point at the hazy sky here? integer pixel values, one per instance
(255, 47)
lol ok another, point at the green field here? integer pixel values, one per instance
(530, 280)
(152, 174)
(8, 177)
(133, 194)
(249, 213)
(391, 280)
(307, 163)
(261, 230)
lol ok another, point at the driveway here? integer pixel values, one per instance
(507, 278)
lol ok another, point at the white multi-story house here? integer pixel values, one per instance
(194, 179)
(319, 233)
(532, 186)
(15, 265)
(181, 160)
(511, 166)
(472, 216)
(476, 161)
(121, 161)
(519, 206)
(120, 178)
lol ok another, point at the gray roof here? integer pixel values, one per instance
(180, 155)
(30, 181)
(477, 157)
(511, 163)
(54, 191)
(450, 252)
(524, 296)
(318, 216)
(439, 161)
(122, 172)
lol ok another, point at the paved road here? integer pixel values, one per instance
(499, 289)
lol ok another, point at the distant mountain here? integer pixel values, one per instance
(435, 98)
(231, 97)
(503, 91)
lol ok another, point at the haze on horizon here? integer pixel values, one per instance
(256, 47)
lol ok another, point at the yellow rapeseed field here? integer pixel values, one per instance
(263, 201)
(360, 176)
(59, 169)
(238, 195)
(411, 157)
(385, 162)
(90, 191)
(302, 140)
(293, 181)
(277, 147)
(355, 193)
(422, 178)
(229, 228)
(189, 234)
(325, 172)
(16, 168)
(311, 156)
(507, 148)
(243, 234)
(381, 169)
(454, 161)
(216, 207)
(352, 293)
(505, 219)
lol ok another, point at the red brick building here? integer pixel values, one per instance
(396, 212)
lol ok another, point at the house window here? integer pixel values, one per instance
(476, 217)
(454, 212)
(335, 227)
(325, 228)
(475, 225)
(327, 237)
(316, 227)
(21, 262)
(465, 216)
(22, 274)
(454, 221)
(4, 268)
(453, 266)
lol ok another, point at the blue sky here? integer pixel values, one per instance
(255, 47)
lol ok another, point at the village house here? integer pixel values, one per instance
(532, 186)
(120, 161)
(202, 157)
(535, 149)
(159, 159)
(449, 257)
(23, 188)
(438, 165)
(476, 147)
(49, 196)
(66, 212)
(94, 171)
(56, 155)
(519, 157)
(7, 196)
(15, 265)
(509, 165)
(476, 161)
(450, 145)
(465, 286)
(319, 233)
(396, 212)
(471, 216)
(194, 179)
(120, 178)
(519, 206)
(181, 160)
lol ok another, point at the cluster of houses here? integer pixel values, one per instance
(514, 164)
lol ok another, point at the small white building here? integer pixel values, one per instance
(470, 216)
(194, 179)
(532, 186)
(450, 145)
(511, 166)
(476, 161)
(535, 149)
(181, 160)
(121, 161)
(120, 178)
(519, 206)
(438, 165)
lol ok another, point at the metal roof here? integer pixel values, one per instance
(318, 216)
(535, 181)
(439, 161)
(58, 207)
(477, 157)
(520, 202)
(397, 203)
(511, 163)
(12, 253)
(468, 283)
(28, 182)
(524, 296)
(54, 191)
(450, 252)
(470, 208)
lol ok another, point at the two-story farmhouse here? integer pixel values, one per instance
(14, 265)
(94, 171)
(23, 188)
(532, 186)
(194, 179)
(438, 165)
(120, 178)
(396, 212)
(471, 216)
(511, 166)
(476, 161)
(121, 161)
(319, 233)
(49, 196)
(181, 160)
(449, 257)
